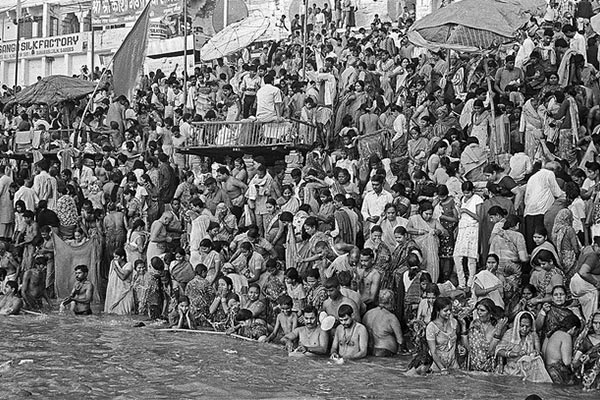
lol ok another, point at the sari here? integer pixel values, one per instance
(292, 205)
(428, 243)
(473, 159)
(564, 236)
(507, 245)
(486, 280)
(383, 256)
(388, 227)
(485, 225)
(343, 224)
(479, 358)
(530, 367)
(554, 318)
(307, 249)
(532, 123)
(445, 343)
(590, 370)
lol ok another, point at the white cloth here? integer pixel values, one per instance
(541, 191)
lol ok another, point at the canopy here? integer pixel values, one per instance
(472, 25)
(54, 89)
(234, 37)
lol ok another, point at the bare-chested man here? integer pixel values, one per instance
(351, 338)
(558, 351)
(368, 279)
(33, 289)
(234, 188)
(332, 304)
(385, 334)
(10, 303)
(312, 340)
(82, 294)
(586, 282)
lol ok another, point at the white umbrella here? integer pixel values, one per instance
(234, 38)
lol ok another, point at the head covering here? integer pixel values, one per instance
(512, 338)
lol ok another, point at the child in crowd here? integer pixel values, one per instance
(184, 319)
(430, 293)
(287, 320)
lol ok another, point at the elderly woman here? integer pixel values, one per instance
(565, 238)
(509, 245)
(227, 223)
(484, 335)
(520, 346)
(426, 231)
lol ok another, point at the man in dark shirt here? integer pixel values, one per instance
(45, 216)
(167, 182)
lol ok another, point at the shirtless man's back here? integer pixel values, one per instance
(33, 289)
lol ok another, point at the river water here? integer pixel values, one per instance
(66, 357)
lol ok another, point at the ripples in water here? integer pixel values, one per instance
(105, 357)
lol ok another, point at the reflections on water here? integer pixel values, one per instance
(103, 357)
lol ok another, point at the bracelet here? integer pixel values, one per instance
(497, 337)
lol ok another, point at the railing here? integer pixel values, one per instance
(251, 133)
(26, 141)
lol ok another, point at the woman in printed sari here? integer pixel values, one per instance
(509, 245)
(271, 220)
(307, 248)
(567, 243)
(484, 335)
(520, 346)
(426, 231)
(210, 258)
(532, 124)
(587, 353)
(404, 246)
(383, 255)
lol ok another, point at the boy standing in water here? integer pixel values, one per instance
(82, 294)
(287, 320)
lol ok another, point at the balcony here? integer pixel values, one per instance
(243, 136)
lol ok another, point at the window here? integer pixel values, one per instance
(53, 26)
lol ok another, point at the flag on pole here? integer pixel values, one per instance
(129, 59)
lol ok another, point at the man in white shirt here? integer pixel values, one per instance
(576, 40)
(520, 163)
(268, 101)
(541, 191)
(525, 50)
(374, 204)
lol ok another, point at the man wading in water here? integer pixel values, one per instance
(82, 293)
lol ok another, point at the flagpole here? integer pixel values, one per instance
(87, 106)
(91, 100)
(185, 42)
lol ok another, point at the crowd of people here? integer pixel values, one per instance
(430, 217)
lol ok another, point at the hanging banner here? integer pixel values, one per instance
(55, 45)
(122, 11)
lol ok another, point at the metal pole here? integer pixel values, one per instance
(185, 40)
(92, 46)
(304, 34)
(18, 45)
(225, 13)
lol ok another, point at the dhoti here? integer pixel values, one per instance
(586, 293)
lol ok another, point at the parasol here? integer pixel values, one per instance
(234, 37)
(54, 89)
(473, 25)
